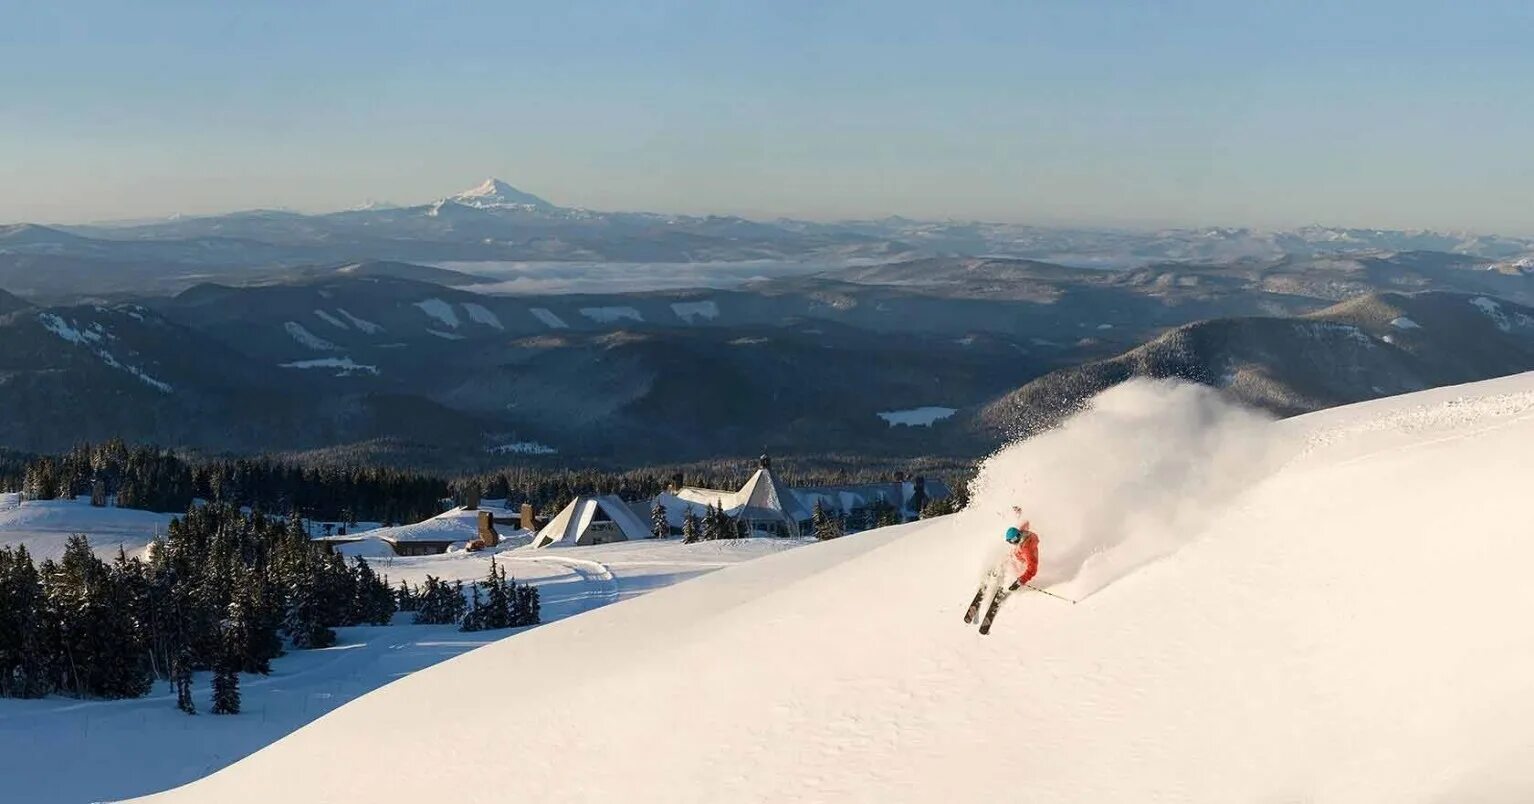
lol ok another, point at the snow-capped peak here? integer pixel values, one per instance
(496, 193)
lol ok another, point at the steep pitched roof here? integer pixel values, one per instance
(567, 526)
(763, 491)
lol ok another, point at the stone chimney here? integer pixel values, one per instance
(918, 494)
(487, 535)
(676, 482)
(528, 522)
(471, 497)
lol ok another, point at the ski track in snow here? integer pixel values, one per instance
(589, 573)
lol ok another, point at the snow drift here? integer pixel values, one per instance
(1342, 623)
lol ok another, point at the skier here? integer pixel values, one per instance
(1023, 562)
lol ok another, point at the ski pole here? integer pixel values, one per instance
(1051, 594)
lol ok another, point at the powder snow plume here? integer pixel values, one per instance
(1137, 474)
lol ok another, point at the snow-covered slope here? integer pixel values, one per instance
(1326, 609)
(496, 194)
(44, 526)
(60, 750)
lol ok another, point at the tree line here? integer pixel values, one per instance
(157, 479)
(222, 590)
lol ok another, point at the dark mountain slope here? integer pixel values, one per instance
(1369, 347)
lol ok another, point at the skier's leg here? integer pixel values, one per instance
(990, 613)
(992, 579)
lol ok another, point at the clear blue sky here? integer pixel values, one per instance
(1396, 114)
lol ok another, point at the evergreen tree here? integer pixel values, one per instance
(373, 601)
(711, 531)
(473, 621)
(441, 603)
(226, 672)
(103, 652)
(226, 690)
(935, 508)
(692, 530)
(456, 603)
(724, 526)
(497, 611)
(660, 527)
(338, 591)
(181, 672)
(530, 606)
(307, 609)
(827, 525)
(26, 655)
(406, 599)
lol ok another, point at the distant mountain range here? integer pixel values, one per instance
(404, 363)
(496, 222)
(273, 330)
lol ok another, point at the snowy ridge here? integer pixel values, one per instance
(301, 334)
(91, 337)
(66, 330)
(1245, 634)
(1498, 316)
(496, 194)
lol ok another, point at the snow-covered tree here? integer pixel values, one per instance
(827, 525)
(660, 527)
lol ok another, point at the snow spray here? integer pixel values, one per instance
(1141, 471)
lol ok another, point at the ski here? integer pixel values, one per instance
(990, 613)
(974, 605)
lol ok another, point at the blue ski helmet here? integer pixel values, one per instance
(1014, 535)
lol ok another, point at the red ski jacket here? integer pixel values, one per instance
(1027, 556)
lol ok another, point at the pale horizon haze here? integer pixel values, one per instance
(1406, 114)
